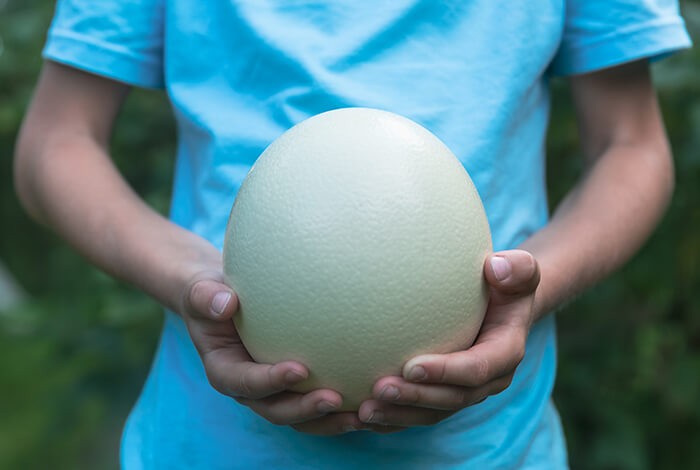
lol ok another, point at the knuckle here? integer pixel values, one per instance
(272, 378)
(503, 384)
(414, 396)
(519, 350)
(192, 296)
(276, 380)
(244, 384)
(220, 386)
(443, 375)
(187, 296)
(216, 384)
(508, 382)
(481, 370)
(214, 379)
(534, 271)
(461, 399)
(195, 290)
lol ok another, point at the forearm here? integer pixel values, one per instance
(68, 182)
(602, 222)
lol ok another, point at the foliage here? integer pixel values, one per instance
(73, 358)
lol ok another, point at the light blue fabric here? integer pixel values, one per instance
(239, 73)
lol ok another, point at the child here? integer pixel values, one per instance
(238, 74)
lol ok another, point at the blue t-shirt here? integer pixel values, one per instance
(239, 73)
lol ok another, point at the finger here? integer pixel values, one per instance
(293, 408)
(210, 298)
(332, 424)
(511, 274)
(435, 396)
(229, 367)
(230, 373)
(495, 355)
(378, 413)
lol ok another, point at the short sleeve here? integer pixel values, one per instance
(603, 33)
(118, 39)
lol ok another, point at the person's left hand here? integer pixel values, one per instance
(435, 386)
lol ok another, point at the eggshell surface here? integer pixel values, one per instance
(356, 242)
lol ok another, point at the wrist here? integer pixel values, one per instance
(555, 290)
(160, 258)
(191, 260)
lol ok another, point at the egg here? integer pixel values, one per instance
(356, 242)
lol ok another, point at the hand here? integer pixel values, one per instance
(207, 307)
(435, 386)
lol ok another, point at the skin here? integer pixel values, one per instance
(600, 224)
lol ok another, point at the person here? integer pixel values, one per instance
(240, 73)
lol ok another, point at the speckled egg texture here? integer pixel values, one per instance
(355, 243)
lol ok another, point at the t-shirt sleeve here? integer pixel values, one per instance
(603, 33)
(118, 39)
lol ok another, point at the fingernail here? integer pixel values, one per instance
(501, 267)
(375, 417)
(389, 393)
(417, 374)
(294, 376)
(219, 302)
(326, 407)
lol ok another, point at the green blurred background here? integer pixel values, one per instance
(75, 349)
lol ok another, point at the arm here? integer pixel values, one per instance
(65, 179)
(599, 225)
(626, 187)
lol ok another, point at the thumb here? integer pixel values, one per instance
(210, 299)
(511, 274)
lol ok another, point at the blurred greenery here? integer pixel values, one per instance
(74, 356)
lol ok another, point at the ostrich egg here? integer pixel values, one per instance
(356, 242)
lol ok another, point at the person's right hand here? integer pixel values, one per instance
(207, 307)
